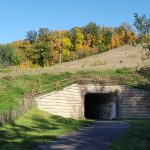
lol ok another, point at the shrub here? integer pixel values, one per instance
(8, 55)
(103, 48)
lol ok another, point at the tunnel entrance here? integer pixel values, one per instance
(100, 106)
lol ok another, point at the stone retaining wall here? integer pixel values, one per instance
(133, 103)
(69, 102)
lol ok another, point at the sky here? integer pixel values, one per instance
(19, 16)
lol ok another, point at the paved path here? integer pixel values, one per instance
(95, 137)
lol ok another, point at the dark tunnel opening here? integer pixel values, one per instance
(100, 106)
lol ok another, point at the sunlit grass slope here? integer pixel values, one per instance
(36, 127)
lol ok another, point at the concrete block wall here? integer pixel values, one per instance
(65, 103)
(133, 103)
(69, 102)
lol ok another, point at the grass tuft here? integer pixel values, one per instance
(124, 71)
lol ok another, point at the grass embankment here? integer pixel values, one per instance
(136, 138)
(14, 89)
(35, 127)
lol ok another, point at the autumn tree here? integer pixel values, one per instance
(56, 39)
(22, 48)
(45, 47)
(126, 26)
(115, 41)
(121, 33)
(77, 38)
(66, 46)
(130, 38)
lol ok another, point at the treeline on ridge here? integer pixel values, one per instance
(44, 47)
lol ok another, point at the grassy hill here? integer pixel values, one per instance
(17, 84)
(125, 56)
(36, 127)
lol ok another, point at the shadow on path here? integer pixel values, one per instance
(95, 137)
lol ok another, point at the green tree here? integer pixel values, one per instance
(43, 34)
(39, 53)
(106, 39)
(42, 52)
(142, 24)
(31, 36)
(8, 55)
(92, 31)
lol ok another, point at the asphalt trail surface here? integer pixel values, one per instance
(98, 136)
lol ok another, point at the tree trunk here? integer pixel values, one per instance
(60, 58)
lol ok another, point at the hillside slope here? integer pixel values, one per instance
(125, 56)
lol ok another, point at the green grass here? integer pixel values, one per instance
(124, 71)
(36, 127)
(136, 138)
(14, 89)
(129, 76)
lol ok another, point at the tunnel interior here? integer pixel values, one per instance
(100, 106)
